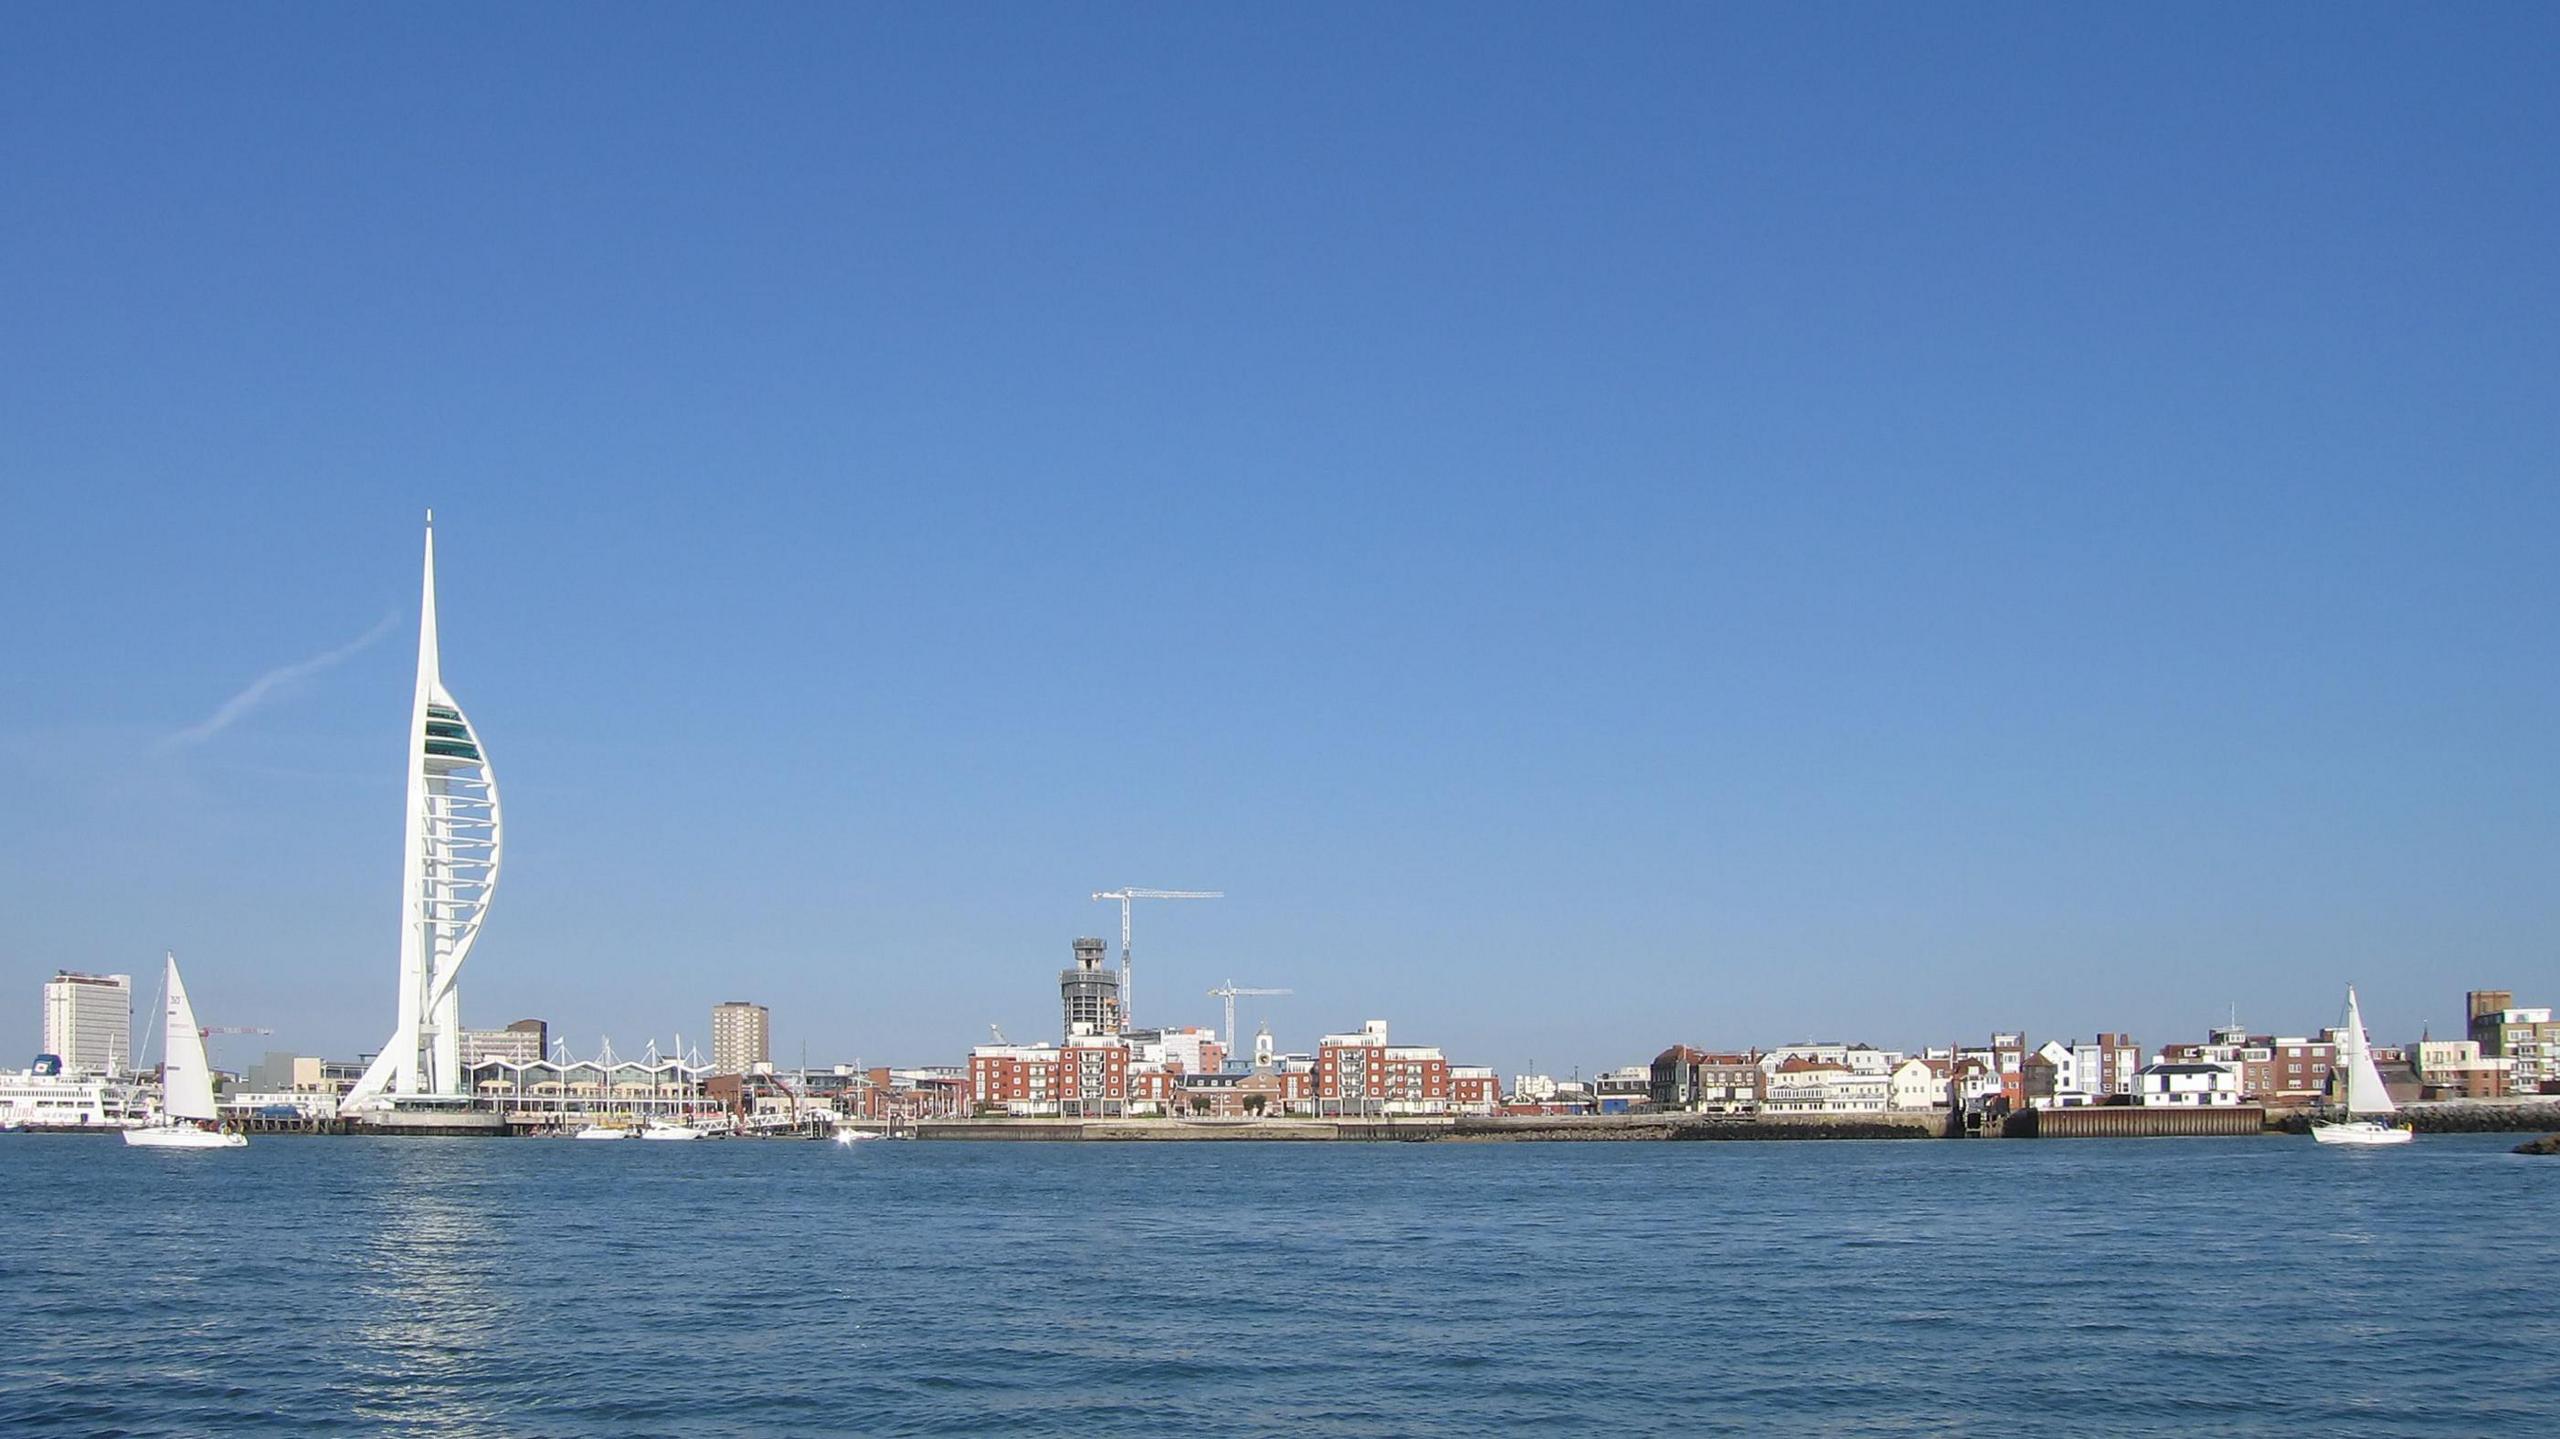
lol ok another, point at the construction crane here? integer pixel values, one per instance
(1125, 895)
(1229, 991)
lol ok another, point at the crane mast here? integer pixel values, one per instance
(1229, 991)
(1125, 895)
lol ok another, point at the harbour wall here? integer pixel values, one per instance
(2130, 1121)
(1521, 1128)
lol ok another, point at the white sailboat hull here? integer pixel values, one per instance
(670, 1131)
(2361, 1131)
(598, 1131)
(183, 1137)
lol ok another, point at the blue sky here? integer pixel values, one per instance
(1596, 527)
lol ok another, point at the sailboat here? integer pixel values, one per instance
(186, 1083)
(2368, 1105)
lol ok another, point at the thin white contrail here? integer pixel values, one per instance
(264, 687)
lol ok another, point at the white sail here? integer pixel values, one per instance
(2365, 1094)
(186, 1078)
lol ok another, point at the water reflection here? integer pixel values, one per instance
(426, 1276)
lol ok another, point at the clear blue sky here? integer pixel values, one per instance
(1597, 526)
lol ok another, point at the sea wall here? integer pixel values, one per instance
(1157, 1130)
(2136, 1121)
(1889, 1124)
(1526, 1128)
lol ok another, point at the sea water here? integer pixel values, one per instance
(521, 1287)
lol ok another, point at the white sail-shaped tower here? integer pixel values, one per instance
(448, 869)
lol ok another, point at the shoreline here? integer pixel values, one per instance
(2537, 1116)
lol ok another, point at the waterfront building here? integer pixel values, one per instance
(741, 1037)
(2456, 1069)
(1189, 1049)
(1819, 1083)
(2302, 1066)
(1363, 1074)
(2528, 1038)
(2063, 1074)
(2171, 1083)
(906, 1095)
(1093, 1076)
(88, 1022)
(326, 1076)
(1624, 1089)
(1673, 1079)
(1016, 1079)
(1694, 1079)
(580, 1091)
(1264, 1091)
(526, 1039)
(450, 846)
(1474, 1089)
(249, 1102)
(2252, 1059)
(1921, 1083)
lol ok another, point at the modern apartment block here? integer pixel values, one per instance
(88, 1021)
(1363, 1074)
(2528, 1037)
(741, 1037)
(2067, 1073)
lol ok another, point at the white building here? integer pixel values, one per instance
(88, 1022)
(1921, 1084)
(1805, 1084)
(1856, 1058)
(2186, 1084)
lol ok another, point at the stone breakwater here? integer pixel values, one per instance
(2485, 1117)
(2458, 1116)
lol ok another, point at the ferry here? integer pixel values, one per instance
(43, 1097)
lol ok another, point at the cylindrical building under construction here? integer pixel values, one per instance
(1089, 993)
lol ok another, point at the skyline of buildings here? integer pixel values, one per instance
(452, 846)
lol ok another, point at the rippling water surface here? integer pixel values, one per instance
(491, 1287)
